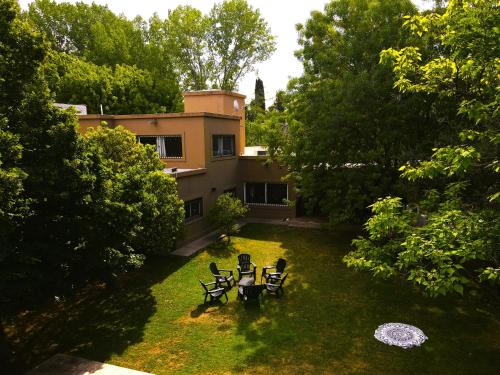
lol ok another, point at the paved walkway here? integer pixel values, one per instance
(195, 246)
(294, 222)
(62, 364)
(201, 243)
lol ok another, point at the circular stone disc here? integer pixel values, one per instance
(399, 334)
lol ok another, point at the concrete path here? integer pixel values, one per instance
(62, 364)
(294, 222)
(195, 246)
(205, 241)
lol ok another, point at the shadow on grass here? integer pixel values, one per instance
(221, 249)
(324, 323)
(94, 324)
(203, 307)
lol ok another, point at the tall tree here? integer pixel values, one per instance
(218, 49)
(120, 89)
(279, 101)
(349, 129)
(90, 31)
(260, 96)
(457, 245)
(185, 34)
(61, 191)
(238, 38)
(112, 52)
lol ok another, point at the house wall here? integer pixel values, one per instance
(207, 114)
(255, 169)
(192, 128)
(221, 102)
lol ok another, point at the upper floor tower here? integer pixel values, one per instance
(220, 102)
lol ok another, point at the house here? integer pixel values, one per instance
(204, 149)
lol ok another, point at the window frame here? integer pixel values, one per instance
(190, 219)
(265, 194)
(233, 139)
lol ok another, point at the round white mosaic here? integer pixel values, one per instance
(399, 334)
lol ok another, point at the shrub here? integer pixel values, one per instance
(225, 214)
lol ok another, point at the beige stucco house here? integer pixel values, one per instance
(204, 149)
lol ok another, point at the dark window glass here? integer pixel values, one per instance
(147, 140)
(193, 209)
(173, 146)
(167, 146)
(255, 193)
(276, 193)
(223, 145)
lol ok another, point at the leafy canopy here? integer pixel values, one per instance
(218, 49)
(457, 244)
(225, 214)
(73, 209)
(348, 129)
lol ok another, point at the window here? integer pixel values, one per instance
(168, 146)
(193, 209)
(147, 140)
(223, 145)
(276, 193)
(266, 193)
(255, 193)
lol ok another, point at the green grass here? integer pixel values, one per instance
(155, 320)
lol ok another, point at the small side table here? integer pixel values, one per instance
(245, 281)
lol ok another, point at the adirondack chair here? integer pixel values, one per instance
(219, 278)
(276, 285)
(215, 292)
(279, 268)
(245, 267)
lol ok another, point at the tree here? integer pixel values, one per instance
(260, 96)
(20, 52)
(254, 114)
(218, 49)
(136, 210)
(90, 31)
(122, 89)
(103, 58)
(457, 246)
(279, 101)
(348, 128)
(185, 33)
(238, 38)
(225, 214)
(75, 209)
(38, 149)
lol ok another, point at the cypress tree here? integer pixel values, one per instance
(260, 98)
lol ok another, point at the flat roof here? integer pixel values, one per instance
(184, 172)
(159, 116)
(213, 92)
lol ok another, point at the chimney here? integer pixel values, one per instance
(220, 102)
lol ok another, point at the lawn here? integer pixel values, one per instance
(155, 319)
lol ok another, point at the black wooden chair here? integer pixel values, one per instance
(279, 268)
(276, 285)
(219, 279)
(250, 292)
(215, 292)
(245, 267)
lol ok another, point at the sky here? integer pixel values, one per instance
(281, 16)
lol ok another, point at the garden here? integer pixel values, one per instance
(155, 320)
